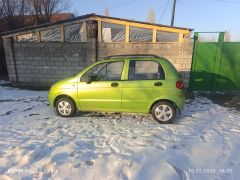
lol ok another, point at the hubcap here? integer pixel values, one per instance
(163, 112)
(64, 108)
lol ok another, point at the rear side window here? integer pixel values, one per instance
(145, 70)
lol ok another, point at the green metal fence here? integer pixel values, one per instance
(215, 65)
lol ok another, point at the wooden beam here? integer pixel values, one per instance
(141, 25)
(154, 36)
(127, 30)
(38, 36)
(62, 34)
(84, 33)
(99, 31)
(15, 38)
(180, 38)
(45, 28)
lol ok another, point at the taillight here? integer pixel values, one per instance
(180, 84)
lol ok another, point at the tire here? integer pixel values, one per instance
(164, 112)
(65, 107)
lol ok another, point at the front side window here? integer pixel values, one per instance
(105, 71)
(145, 70)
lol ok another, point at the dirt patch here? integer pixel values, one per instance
(230, 100)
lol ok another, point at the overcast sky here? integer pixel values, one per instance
(201, 15)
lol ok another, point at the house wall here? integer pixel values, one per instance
(41, 64)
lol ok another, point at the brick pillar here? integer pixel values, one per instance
(92, 47)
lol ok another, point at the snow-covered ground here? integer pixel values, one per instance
(35, 143)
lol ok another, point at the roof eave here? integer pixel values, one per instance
(85, 17)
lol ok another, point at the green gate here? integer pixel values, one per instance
(215, 65)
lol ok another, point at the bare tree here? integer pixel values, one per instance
(44, 9)
(1, 8)
(12, 13)
(151, 17)
(16, 14)
(106, 11)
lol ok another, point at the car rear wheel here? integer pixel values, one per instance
(65, 107)
(164, 112)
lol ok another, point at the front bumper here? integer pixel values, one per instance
(51, 98)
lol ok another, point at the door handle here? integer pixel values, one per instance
(114, 84)
(158, 84)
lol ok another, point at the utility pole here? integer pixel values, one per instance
(173, 12)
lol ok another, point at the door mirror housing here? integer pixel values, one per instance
(92, 78)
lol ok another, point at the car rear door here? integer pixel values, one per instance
(145, 83)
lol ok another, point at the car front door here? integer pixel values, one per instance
(145, 83)
(104, 93)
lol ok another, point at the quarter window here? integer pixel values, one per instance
(105, 71)
(145, 70)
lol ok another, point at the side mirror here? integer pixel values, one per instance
(92, 78)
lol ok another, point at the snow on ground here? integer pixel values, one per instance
(35, 143)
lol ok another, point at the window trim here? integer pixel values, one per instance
(146, 79)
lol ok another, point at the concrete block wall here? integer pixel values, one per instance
(41, 64)
(179, 54)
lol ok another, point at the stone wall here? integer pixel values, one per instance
(41, 64)
(179, 54)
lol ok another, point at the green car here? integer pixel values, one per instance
(127, 83)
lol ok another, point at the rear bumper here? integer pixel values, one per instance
(180, 102)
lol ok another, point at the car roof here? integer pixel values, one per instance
(132, 56)
(135, 57)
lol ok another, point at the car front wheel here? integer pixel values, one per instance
(164, 112)
(65, 107)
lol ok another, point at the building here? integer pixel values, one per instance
(42, 54)
(28, 21)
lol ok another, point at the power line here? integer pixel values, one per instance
(225, 1)
(164, 11)
(119, 5)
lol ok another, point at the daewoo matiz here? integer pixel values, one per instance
(130, 83)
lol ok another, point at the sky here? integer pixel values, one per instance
(200, 15)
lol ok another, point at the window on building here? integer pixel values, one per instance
(113, 32)
(145, 70)
(74, 33)
(140, 34)
(30, 37)
(51, 35)
(163, 36)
